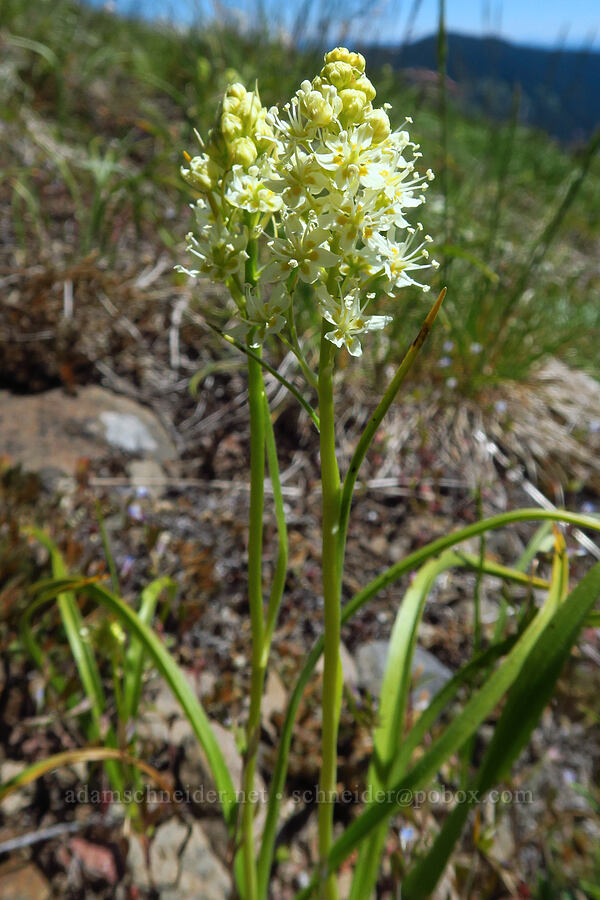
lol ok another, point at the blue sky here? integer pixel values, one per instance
(539, 22)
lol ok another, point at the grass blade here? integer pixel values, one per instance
(83, 655)
(110, 559)
(395, 690)
(135, 653)
(32, 647)
(77, 635)
(409, 563)
(562, 627)
(69, 757)
(374, 422)
(265, 365)
(174, 677)
(391, 751)
(525, 703)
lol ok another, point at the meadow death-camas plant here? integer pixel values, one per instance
(319, 193)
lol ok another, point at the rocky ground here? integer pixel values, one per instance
(112, 426)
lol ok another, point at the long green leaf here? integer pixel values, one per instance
(395, 690)
(279, 575)
(375, 420)
(416, 559)
(391, 750)
(174, 677)
(70, 757)
(461, 253)
(76, 632)
(533, 547)
(34, 649)
(465, 675)
(525, 703)
(135, 653)
(564, 625)
(421, 880)
(83, 654)
(110, 559)
(408, 564)
(35, 46)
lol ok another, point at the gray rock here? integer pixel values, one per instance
(53, 430)
(127, 431)
(21, 799)
(274, 703)
(26, 883)
(137, 862)
(370, 662)
(185, 868)
(429, 674)
(166, 846)
(148, 475)
(162, 719)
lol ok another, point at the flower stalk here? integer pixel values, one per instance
(332, 675)
(314, 194)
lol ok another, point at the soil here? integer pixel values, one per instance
(428, 471)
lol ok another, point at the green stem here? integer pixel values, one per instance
(256, 400)
(332, 684)
(278, 583)
(442, 58)
(237, 292)
(252, 250)
(297, 350)
(268, 840)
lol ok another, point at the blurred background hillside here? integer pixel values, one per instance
(97, 109)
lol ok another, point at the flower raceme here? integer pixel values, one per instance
(320, 191)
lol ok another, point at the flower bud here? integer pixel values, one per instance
(249, 110)
(316, 108)
(263, 133)
(236, 91)
(216, 145)
(340, 74)
(242, 151)
(341, 54)
(363, 84)
(234, 96)
(230, 105)
(231, 126)
(202, 173)
(380, 123)
(353, 105)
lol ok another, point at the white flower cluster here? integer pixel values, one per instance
(316, 192)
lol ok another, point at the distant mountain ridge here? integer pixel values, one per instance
(560, 88)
